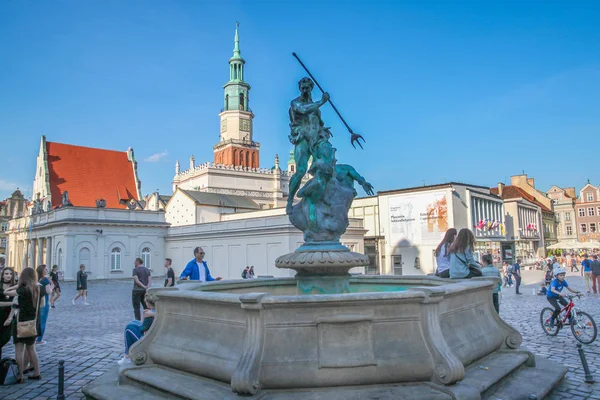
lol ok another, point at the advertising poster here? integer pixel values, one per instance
(418, 219)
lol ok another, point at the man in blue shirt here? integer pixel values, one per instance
(587, 272)
(196, 269)
(517, 274)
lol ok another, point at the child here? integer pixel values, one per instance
(555, 295)
(135, 330)
(489, 270)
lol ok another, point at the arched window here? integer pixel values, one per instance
(84, 257)
(60, 261)
(115, 259)
(247, 159)
(254, 160)
(146, 256)
(234, 156)
(241, 160)
(242, 105)
(226, 102)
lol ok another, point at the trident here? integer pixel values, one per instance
(354, 137)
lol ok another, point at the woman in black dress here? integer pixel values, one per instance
(56, 290)
(7, 282)
(28, 292)
(81, 285)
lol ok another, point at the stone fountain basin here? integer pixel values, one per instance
(258, 334)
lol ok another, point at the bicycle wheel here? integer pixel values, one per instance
(545, 317)
(584, 328)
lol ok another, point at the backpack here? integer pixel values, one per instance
(510, 269)
(8, 371)
(244, 273)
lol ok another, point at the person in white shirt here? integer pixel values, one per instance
(442, 256)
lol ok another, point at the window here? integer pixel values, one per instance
(590, 197)
(558, 217)
(397, 265)
(146, 256)
(115, 259)
(4, 226)
(569, 230)
(592, 227)
(3, 242)
(598, 211)
(568, 216)
(583, 228)
(582, 212)
(60, 259)
(590, 211)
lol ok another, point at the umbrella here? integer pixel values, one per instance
(562, 245)
(589, 245)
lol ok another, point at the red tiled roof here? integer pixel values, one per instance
(515, 192)
(89, 174)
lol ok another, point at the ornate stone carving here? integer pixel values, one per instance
(65, 199)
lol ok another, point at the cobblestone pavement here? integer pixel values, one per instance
(90, 339)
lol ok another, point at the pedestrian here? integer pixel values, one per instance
(81, 286)
(517, 274)
(555, 296)
(442, 256)
(595, 267)
(574, 263)
(56, 291)
(135, 330)
(462, 263)
(6, 285)
(489, 270)
(197, 269)
(508, 270)
(141, 282)
(46, 291)
(245, 272)
(170, 274)
(29, 296)
(587, 272)
(251, 272)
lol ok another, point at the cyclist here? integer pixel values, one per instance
(555, 295)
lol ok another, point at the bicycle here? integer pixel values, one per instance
(582, 324)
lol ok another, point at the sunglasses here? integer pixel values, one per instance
(201, 252)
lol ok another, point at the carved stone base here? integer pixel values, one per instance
(322, 267)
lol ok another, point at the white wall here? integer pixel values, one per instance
(180, 210)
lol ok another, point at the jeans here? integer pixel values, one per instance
(496, 302)
(518, 283)
(44, 311)
(595, 278)
(133, 333)
(137, 299)
(554, 301)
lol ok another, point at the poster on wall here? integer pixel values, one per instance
(418, 220)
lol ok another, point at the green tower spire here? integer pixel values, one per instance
(236, 62)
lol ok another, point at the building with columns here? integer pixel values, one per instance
(235, 169)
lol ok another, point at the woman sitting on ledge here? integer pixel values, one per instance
(461, 256)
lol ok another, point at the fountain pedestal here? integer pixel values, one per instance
(322, 267)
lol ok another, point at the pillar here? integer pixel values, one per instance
(49, 253)
(39, 252)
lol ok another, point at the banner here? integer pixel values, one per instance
(419, 219)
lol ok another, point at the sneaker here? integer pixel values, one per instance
(73, 302)
(124, 361)
(52, 306)
(40, 342)
(551, 323)
(86, 304)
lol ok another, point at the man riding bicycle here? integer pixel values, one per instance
(555, 295)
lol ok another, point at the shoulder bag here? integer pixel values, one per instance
(474, 268)
(27, 329)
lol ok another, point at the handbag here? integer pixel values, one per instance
(474, 268)
(27, 329)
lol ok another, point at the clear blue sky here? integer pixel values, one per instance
(466, 91)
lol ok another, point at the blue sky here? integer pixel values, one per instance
(464, 91)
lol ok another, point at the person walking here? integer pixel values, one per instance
(587, 272)
(517, 274)
(56, 291)
(29, 296)
(573, 261)
(81, 286)
(46, 291)
(508, 273)
(491, 271)
(442, 256)
(197, 269)
(141, 282)
(169, 274)
(7, 283)
(595, 267)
